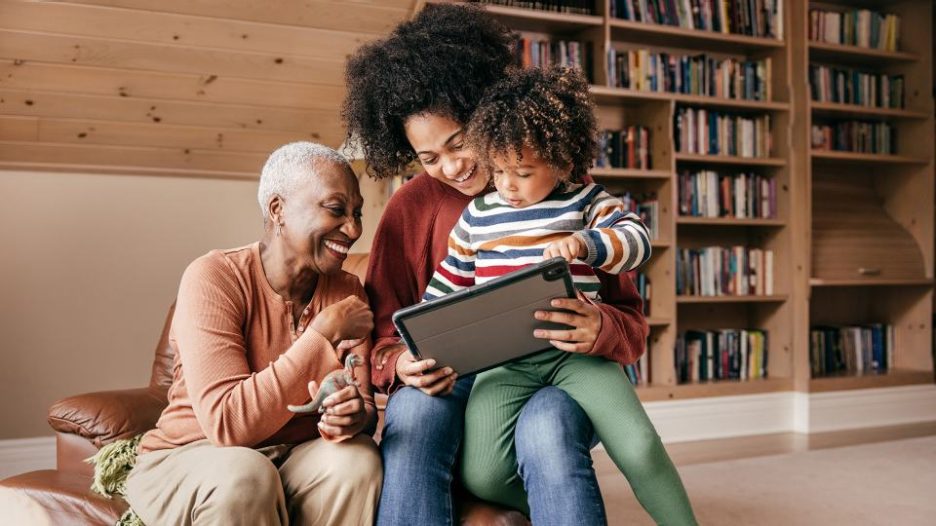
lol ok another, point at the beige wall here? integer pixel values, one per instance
(89, 265)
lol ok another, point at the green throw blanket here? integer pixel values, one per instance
(112, 464)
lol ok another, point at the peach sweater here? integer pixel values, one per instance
(239, 358)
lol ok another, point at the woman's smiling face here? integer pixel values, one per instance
(439, 143)
(323, 219)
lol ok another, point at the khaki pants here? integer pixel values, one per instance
(317, 482)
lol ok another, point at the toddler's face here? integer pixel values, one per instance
(525, 181)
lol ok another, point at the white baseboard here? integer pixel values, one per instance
(26, 454)
(722, 416)
(861, 408)
(744, 415)
(683, 420)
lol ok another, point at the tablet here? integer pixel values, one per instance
(486, 325)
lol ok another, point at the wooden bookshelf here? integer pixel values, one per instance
(833, 109)
(629, 173)
(727, 159)
(851, 55)
(875, 267)
(868, 210)
(750, 298)
(893, 378)
(729, 221)
(871, 282)
(852, 157)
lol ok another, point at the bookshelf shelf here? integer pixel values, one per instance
(661, 243)
(852, 157)
(654, 393)
(658, 322)
(922, 282)
(609, 95)
(825, 52)
(868, 381)
(662, 35)
(542, 21)
(832, 109)
(629, 173)
(773, 298)
(728, 221)
(727, 159)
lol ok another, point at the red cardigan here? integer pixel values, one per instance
(412, 239)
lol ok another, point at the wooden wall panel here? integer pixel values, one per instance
(82, 80)
(203, 88)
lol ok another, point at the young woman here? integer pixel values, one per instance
(409, 98)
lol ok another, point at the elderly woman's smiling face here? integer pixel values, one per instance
(321, 220)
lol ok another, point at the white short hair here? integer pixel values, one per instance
(291, 166)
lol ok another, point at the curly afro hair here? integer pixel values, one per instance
(440, 62)
(548, 110)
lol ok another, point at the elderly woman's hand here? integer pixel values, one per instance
(345, 413)
(584, 319)
(348, 319)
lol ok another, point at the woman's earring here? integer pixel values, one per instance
(279, 229)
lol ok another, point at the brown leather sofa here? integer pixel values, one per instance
(86, 422)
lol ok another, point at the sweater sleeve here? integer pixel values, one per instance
(624, 330)
(391, 285)
(457, 271)
(233, 405)
(617, 240)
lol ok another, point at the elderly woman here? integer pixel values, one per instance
(256, 329)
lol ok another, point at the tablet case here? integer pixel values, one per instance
(486, 325)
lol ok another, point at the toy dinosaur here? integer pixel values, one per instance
(331, 384)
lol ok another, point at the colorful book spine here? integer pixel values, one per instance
(729, 78)
(850, 86)
(727, 354)
(702, 131)
(575, 7)
(535, 53)
(724, 271)
(647, 206)
(760, 18)
(855, 136)
(708, 193)
(627, 148)
(644, 289)
(857, 349)
(857, 27)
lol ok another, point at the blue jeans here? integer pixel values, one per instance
(420, 444)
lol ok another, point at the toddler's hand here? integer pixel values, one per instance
(567, 248)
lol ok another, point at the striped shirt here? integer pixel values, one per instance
(492, 238)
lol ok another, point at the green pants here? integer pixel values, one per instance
(601, 388)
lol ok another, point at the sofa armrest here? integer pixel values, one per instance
(105, 416)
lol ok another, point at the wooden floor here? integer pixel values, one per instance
(687, 453)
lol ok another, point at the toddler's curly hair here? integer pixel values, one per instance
(439, 63)
(546, 109)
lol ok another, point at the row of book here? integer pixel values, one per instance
(701, 131)
(644, 289)
(761, 18)
(647, 206)
(627, 148)
(724, 271)
(858, 27)
(730, 78)
(575, 7)
(727, 354)
(532, 52)
(851, 349)
(850, 86)
(855, 136)
(639, 373)
(707, 193)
